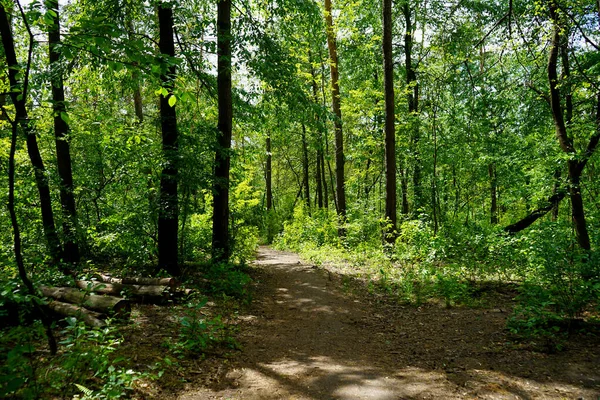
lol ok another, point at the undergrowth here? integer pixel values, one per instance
(557, 283)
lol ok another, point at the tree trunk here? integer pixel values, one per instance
(525, 222)
(269, 175)
(4, 24)
(390, 124)
(318, 182)
(147, 293)
(110, 305)
(493, 194)
(91, 318)
(138, 105)
(170, 282)
(413, 106)
(61, 133)
(220, 238)
(18, 95)
(336, 105)
(321, 182)
(168, 212)
(555, 191)
(305, 171)
(558, 45)
(404, 187)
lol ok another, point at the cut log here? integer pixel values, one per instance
(113, 306)
(170, 282)
(91, 318)
(143, 293)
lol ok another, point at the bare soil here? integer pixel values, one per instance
(307, 336)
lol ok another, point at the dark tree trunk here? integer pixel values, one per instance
(555, 191)
(305, 170)
(558, 46)
(61, 133)
(269, 175)
(321, 182)
(168, 212)
(7, 41)
(220, 238)
(318, 182)
(390, 124)
(525, 222)
(493, 194)
(336, 105)
(413, 106)
(18, 97)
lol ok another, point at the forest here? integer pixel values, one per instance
(164, 161)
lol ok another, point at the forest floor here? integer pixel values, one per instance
(308, 334)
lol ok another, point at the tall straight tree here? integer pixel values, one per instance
(220, 237)
(305, 170)
(18, 96)
(269, 174)
(337, 110)
(61, 134)
(413, 104)
(168, 213)
(390, 126)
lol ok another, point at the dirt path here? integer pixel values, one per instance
(305, 337)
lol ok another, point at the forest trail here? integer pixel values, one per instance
(306, 337)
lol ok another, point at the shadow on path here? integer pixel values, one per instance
(304, 338)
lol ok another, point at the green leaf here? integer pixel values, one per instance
(172, 100)
(65, 117)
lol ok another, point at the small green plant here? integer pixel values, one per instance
(197, 332)
(229, 280)
(18, 369)
(88, 363)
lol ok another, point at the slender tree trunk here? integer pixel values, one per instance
(138, 104)
(168, 212)
(324, 181)
(404, 187)
(413, 106)
(554, 192)
(8, 44)
(390, 123)
(61, 133)
(434, 195)
(318, 182)
(305, 170)
(269, 175)
(320, 173)
(336, 105)
(18, 95)
(558, 46)
(220, 238)
(493, 194)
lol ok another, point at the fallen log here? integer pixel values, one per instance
(113, 306)
(91, 318)
(143, 293)
(170, 282)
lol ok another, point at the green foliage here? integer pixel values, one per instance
(86, 364)
(18, 372)
(197, 332)
(319, 229)
(229, 280)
